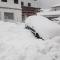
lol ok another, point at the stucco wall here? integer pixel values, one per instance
(10, 3)
(33, 3)
(17, 14)
(10, 7)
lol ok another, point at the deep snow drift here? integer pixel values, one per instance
(18, 43)
(46, 28)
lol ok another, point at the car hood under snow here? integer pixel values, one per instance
(18, 43)
(46, 28)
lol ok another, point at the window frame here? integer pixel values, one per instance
(16, 1)
(7, 16)
(22, 3)
(29, 4)
(4, 0)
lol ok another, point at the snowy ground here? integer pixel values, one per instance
(18, 43)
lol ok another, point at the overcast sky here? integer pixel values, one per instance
(48, 3)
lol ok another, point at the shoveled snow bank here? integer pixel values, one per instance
(46, 28)
(17, 43)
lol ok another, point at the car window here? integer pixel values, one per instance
(34, 32)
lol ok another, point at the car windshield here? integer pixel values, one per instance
(33, 31)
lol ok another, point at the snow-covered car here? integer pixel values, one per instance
(43, 26)
(56, 20)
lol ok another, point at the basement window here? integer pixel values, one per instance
(16, 1)
(9, 16)
(4, 0)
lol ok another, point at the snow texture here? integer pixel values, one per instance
(18, 43)
(49, 13)
(46, 28)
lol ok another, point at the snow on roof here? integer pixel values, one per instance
(45, 9)
(58, 19)
(49, 13)
(56, 5)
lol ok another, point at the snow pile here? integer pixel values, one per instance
(52, 48)
(56, 20)
(46, 28)
(18, 43)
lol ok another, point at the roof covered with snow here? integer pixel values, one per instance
(56, 5)
(49, 13)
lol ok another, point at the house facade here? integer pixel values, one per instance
(53, 12)
(10, 10)
(17, 10)
(29, 7)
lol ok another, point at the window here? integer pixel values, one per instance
(16, 1)
(35, 0)
(8, 15)
(4, 0)
(29, 4)
(22, 3)
(23, 18)
(0, 15)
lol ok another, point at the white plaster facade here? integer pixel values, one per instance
(34, 3)
(10, 7)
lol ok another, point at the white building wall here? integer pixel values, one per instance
(33, 3)
(10, 7)
(17, 14)
(10, 4)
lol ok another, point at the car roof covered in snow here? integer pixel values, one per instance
(45, 27)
